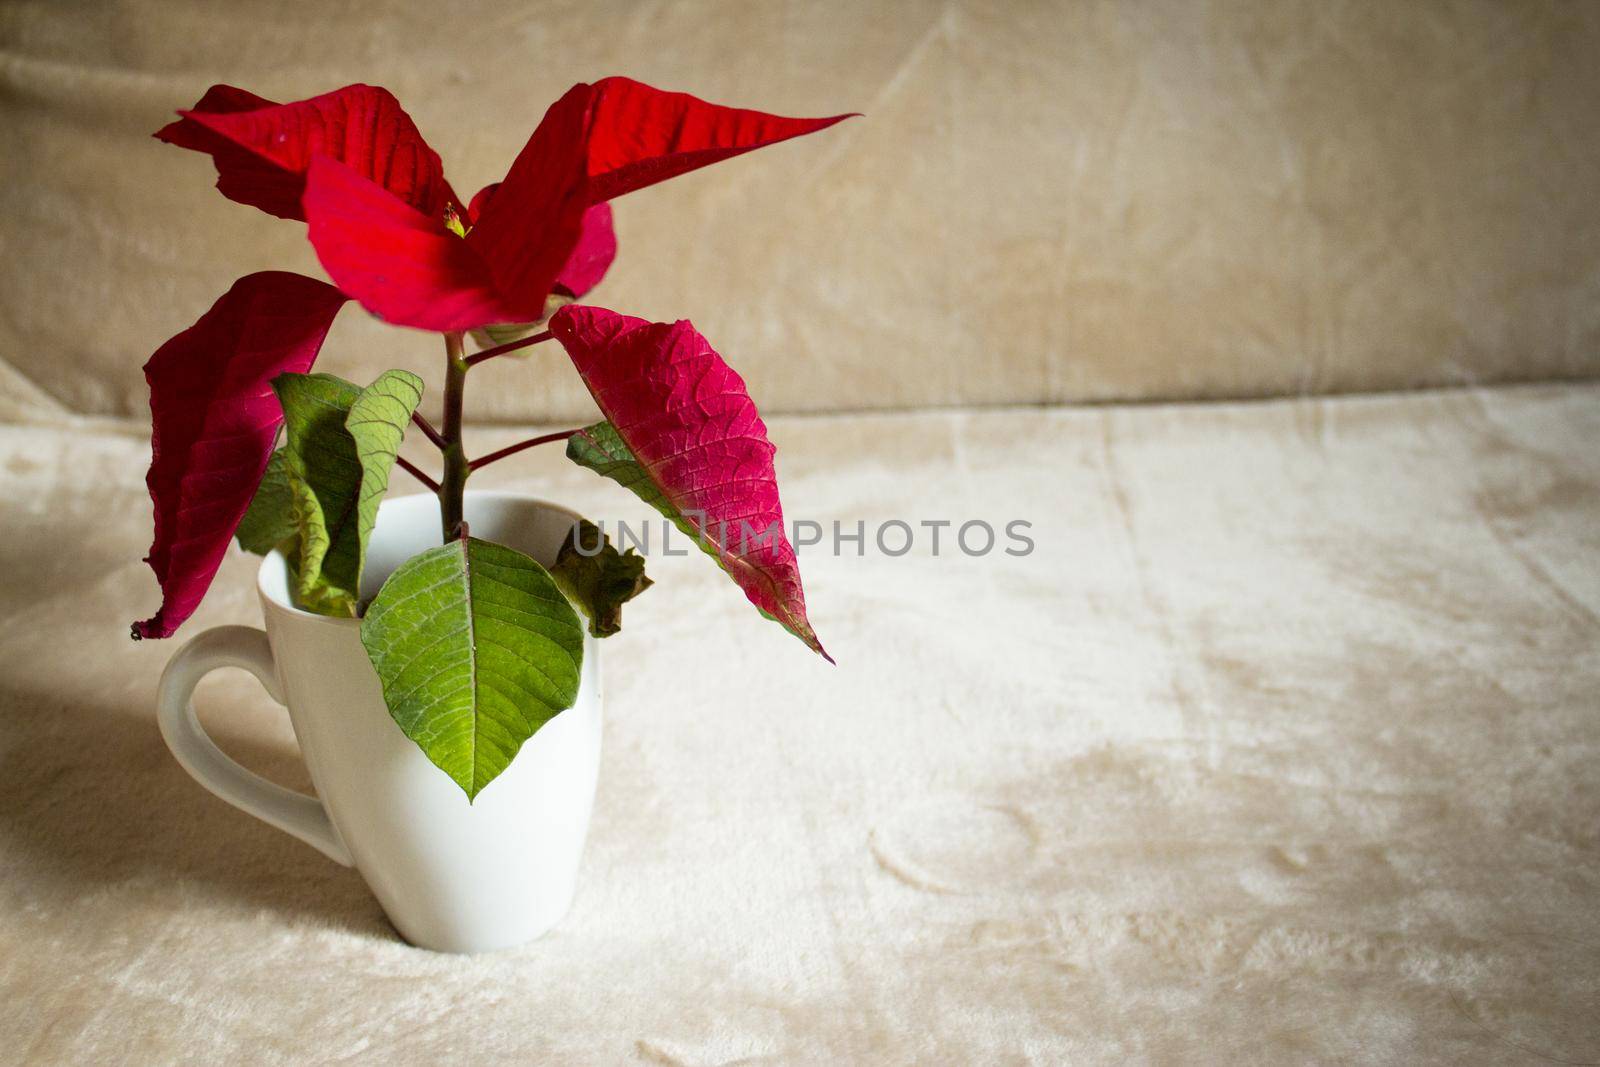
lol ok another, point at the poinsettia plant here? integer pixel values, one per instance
(468, 625)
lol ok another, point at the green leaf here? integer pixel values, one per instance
(269, 522)
(324, 476)
(476, 648)
(377, 422)
(597, 577)
(341, 448)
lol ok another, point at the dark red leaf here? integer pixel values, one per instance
(694, 432)
(479, 199)
(530, 224)
(595, 143)
(214, 419)
(591, 257)
(262, 150)
(219, 100)
(403, 266)
(638, 136)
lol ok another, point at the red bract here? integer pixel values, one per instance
(596, 247)
(386, 225)
(262, 149)
(214, 418)
(598, 142)
(693, 431)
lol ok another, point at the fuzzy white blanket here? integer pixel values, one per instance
(1281, 747)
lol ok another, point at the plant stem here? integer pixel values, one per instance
(511, 450)
(511, 346)
(412, 469)
(427, 428)
(452, 485)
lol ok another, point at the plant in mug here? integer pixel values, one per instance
(476, 645)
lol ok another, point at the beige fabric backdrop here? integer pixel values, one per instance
(1045, 202)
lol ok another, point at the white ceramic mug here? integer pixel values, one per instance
(452, 876)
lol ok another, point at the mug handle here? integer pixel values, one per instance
(236, 646)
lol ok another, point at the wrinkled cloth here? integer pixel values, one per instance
(1280, 747)
(1045, 202)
